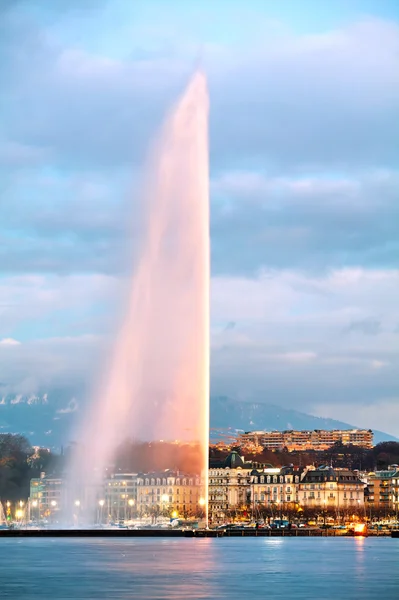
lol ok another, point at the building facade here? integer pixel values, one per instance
(331, 489)
(46, 498)
(318, 439)
(170, 493)
(229, 486)
(119, 498)
(275, 487)
(382, 491)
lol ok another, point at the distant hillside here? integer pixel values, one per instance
(48, 418)
(246, 416)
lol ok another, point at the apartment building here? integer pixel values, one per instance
(318, 439)
(46, 498)
(119, 497)
(382, 491)
(229, 485)
(171, 493)
(338, 489)
(271, 486)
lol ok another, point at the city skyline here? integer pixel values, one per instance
(304, 223)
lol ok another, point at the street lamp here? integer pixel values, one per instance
(77, 503)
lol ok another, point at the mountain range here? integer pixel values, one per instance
(48, 418)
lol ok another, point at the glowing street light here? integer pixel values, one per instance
(131, 502)
(34, 503)
(202, 501)
(101, 504)
(19, 514)
(77, 502)
(53, 503)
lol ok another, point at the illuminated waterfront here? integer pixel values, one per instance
(208, 568)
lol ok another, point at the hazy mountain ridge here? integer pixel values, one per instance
(48, 418)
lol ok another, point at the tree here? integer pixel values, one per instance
(15, 450)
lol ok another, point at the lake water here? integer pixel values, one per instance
(267, 568)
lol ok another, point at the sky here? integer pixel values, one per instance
(304, 137)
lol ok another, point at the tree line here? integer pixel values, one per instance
(379, 457)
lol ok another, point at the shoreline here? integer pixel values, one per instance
(179, 533)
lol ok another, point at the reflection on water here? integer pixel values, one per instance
(302, 569)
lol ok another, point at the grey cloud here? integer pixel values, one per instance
(315, 228)
(316, 225)
(367, 326)
(299, 103)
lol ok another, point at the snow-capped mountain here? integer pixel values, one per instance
(48, 417)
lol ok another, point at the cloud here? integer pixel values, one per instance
(309, 183)
(9, 342)
(305, 222)
(288, 102)
(367, 326)
(72, 407)
(287, 320)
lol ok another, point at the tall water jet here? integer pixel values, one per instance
(156, 383)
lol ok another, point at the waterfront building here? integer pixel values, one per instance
(276, 487)
(382, 490)
(46, 497)
(229, 485)
(318, 439)
(329, 488)
(170, 493)
(119, 499)
(395, 493)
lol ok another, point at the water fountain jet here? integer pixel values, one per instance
(157, 381)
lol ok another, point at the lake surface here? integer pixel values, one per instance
(267, 568)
